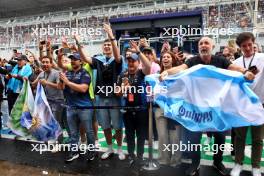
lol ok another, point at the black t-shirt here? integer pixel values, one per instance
(217, 61)
(106, 75)
(138, 91)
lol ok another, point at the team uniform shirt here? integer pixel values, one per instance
(74, 98)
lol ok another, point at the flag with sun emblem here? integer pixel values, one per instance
(44, 126)
(23, 108)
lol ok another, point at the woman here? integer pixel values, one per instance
(169, 131)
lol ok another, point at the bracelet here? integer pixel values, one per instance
(138, 52)
(112, 39)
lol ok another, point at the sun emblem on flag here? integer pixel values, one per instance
(36, 122)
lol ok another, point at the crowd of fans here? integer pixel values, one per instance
(69, 80)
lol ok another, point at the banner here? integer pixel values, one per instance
(206, 98)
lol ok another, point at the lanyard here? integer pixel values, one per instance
(244, 62)
(46, 78)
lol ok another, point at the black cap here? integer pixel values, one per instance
(22, 57)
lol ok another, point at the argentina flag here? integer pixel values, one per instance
(206, 98)
(42, 124)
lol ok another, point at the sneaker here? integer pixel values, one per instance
(256, 172)
(91, 156)
(123, 111)
(107, 154)
(121, 155)
(192, 170)
(236, 170)
(131, 160)
(72, 156)
(220, 168)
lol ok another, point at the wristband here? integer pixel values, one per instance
(112, 39)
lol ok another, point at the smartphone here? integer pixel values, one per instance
(253, 69)
(66, 50)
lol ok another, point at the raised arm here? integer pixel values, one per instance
(60, 57)
(84, 56)
(116, 51)
(145, 62)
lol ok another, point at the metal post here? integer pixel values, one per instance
(151, 164)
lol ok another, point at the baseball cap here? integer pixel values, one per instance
(22, 57)
(75, 56)
(133, 56)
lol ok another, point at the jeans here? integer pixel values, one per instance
(108, 118)
(77, 116)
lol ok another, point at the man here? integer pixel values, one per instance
(76, 86)
(15, 83)
(109, 66)
(50, 79)
(254, 61)
(68, 67)
(135, 120)
(205, 57)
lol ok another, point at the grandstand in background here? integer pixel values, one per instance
(16, 32)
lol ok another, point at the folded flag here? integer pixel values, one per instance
(31, 118)
(206, 98)
(23, 107)
(42, 125)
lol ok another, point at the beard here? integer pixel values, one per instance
(204, 52)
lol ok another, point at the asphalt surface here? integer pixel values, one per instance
(17, 157)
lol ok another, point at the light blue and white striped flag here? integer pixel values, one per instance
(206, 98)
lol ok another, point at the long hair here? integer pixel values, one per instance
(175, 61)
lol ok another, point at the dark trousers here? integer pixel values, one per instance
(257, 133)
(195, 138)
(136, 122)
(11, 99)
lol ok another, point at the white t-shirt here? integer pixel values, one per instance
(258, 61)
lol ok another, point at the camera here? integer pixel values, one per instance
(66, 50)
